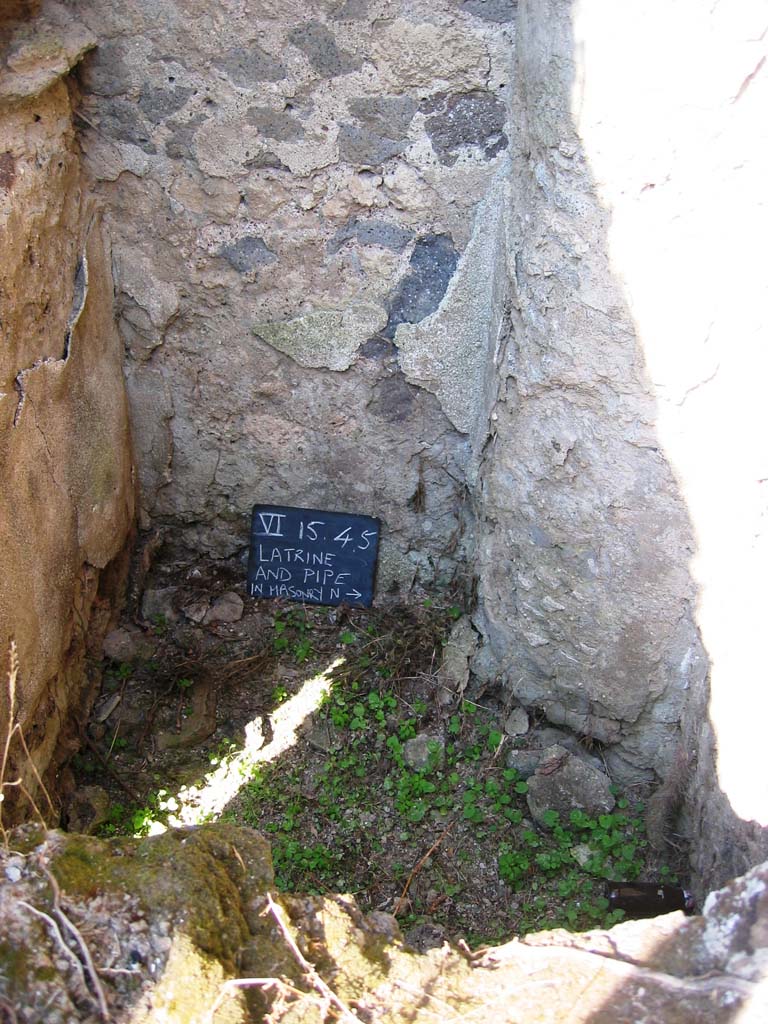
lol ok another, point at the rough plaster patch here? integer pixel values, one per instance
(134, 275)
(353, 10)
(318, 147)
(409, 55)
(108, 160)
(447, 352)
(224, 146)
(327, 338)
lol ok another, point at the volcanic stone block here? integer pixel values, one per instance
(318, 44)
(467, 119)
(420, 292)
(247, 66)
(371, 231)
(248, 254)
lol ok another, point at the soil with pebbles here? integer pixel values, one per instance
(186, 693)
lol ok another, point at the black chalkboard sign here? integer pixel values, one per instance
(305, 554)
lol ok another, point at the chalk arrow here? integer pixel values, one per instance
(356, 594)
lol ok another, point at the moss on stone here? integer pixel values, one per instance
(325, 338)
(199, 879)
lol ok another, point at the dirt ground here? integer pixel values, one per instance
(334, 732)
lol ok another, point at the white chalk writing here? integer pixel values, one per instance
(299, 556)
(271, 523)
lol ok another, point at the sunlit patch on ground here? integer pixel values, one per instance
(196, 804)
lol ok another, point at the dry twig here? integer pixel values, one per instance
(85, 953)
(309, 969)
(110, 770)
(9, 1011)
(57, 937)
(282, 987)
(14, 729)
(401, 900)
(311, 974)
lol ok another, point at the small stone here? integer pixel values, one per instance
(517, 722)
(200, 724)
(159, 603)
(423, 751)
(420, 291)
(457, 653)
(105, 706)
(196, 611)
(525, 762)
(319, 46)
(425, 936)
(88, 808)
(373, 231)
(581, 853)
(227, 608)
(547, 736)
(473, 119)
(248, 254)
(320, 736)
(12, 872)
(126, 644)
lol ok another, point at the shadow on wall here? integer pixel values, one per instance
(622, 508)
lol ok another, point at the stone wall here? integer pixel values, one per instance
(622, 500)
(302, 202)
(587, 600)
(66, 502)
(451, 264)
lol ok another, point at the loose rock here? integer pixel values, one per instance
(160, 603)
(454, 670)
(196, 611)
(563, 783)
(227, 608)
(88, 808)
(126, 644)
(516, 723)
(525, 762)
(423, 751)
(210, 916)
